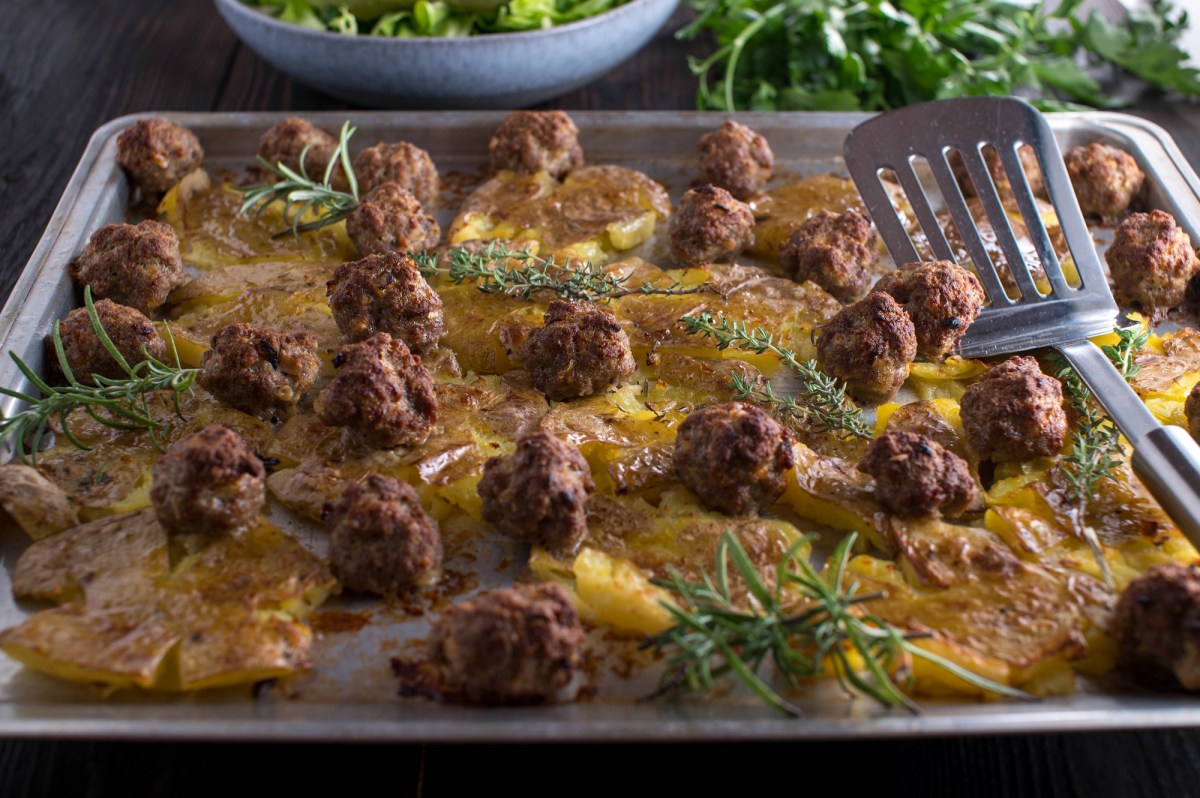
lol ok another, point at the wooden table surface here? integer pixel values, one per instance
(66, 67)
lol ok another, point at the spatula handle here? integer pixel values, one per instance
(1165, 459)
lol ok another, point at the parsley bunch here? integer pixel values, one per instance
(848, 55)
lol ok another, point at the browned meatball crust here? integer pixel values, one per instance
(869, 346)
(288, 140)
(259, 371)
(837, 251)
(536, 141)
(538, 493)
(382, 392)
(386, 293)
(1106, 179)
(404, 164)
(709, 225)
(1029, 165)
(1157, 626)
(130, 331)
(580, 351)
(735, 158)
(915, 476)
(390, 219)
(1151, 260)
(734, 456)
(381, 540)
(1191, 409)
(520, 645)
(942, 299)
(135, 265)
(156, 154)
(208, 483)
(1014, 412)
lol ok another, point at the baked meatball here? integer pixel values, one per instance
(915, 476)
(537, 494)
(1151, 260)
(390, 219)
(386, 293)
(381, 392)
(288, 140)
(259, 371)
(1029, 165)
(520, 645)
(208, 483)
(942, 299)
(156, 154)
(130, 331)
(734, 456)
(869, 346)
(581, 351)
(1191, 409)
(1014, 412)
(1157, 626)
(536, 141)
(735, 158)
(1106, 179)
(709, 225)
(837, 251)
(132, 264)
(381, 540)
(404, 164)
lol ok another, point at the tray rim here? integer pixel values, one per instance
(596, 721)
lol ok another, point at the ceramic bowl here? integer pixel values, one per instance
(499, 70)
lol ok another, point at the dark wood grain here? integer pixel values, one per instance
(67, 66)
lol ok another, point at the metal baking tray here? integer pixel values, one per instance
(354, 697)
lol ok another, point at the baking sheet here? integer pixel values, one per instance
(350, 694)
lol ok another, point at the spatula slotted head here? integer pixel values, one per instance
(1023, 312)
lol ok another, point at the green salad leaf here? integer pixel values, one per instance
(443, 18)
(877, 54)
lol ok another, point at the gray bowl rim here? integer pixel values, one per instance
(253, 14)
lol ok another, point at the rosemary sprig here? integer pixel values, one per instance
(1096, 452)
(301, 193)
(499, 270)
(118, 403)
(809, 624)
(822, 403)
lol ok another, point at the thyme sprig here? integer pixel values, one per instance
(122, 403)
(1096, 452)
(500, 270)
(300, 193)
(808, 625)
(822, 403)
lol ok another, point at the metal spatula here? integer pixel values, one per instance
(1166, 459)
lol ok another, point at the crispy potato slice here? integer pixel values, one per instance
(780, 211)
(37, 505)
(594, 213)
(228, 613)
(212, 231)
